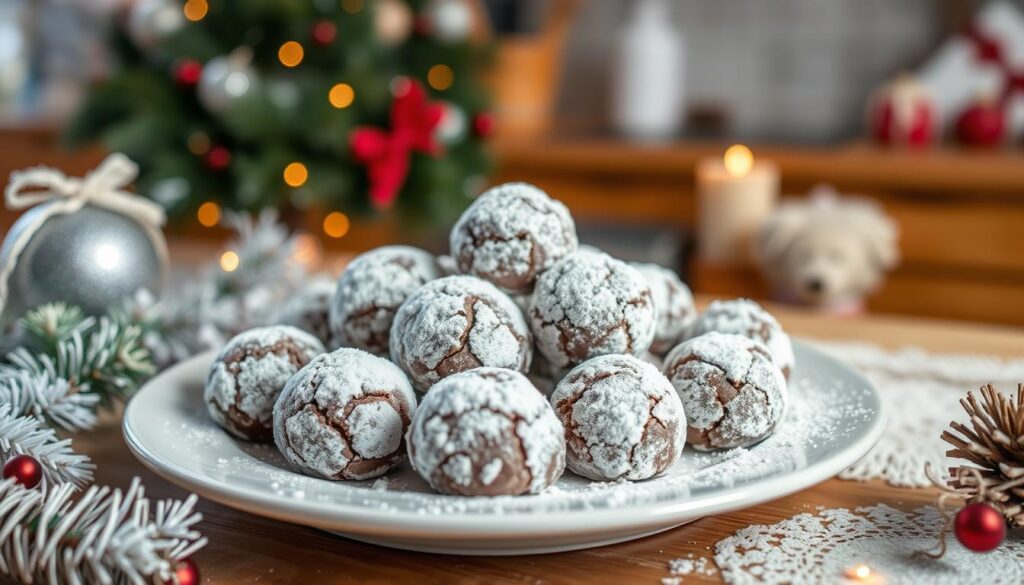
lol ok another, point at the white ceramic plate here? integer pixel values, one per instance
(834, 417)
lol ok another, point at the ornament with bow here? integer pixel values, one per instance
(989, 49)
(386, 154)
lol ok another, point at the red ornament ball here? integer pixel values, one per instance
(185, 573)
(484, 124)
(24, 469)
(324, 32)
(983, 124)
(187, 72)
(218, 158)
(979, 527)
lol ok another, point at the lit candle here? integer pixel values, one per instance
(736, 193)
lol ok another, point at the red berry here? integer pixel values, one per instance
(218, 158)
(185, 573)
(979, 527)
(324, 32)
(24, 469)
(981, 124)
(187, 72)
(484, 124)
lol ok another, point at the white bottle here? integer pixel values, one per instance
(648, 97)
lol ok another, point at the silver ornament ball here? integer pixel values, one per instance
(93, 258)
(225, 80)
(152, 21)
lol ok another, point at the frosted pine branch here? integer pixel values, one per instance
(24, 434)
(47, 325)
(47, 399)
(106, 537)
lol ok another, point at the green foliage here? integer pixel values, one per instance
(286, 116)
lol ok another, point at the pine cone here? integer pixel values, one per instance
(994, 443)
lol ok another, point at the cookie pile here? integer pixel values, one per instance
(518, 305)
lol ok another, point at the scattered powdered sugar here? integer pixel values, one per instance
(673, 305)
(512, 233)
(343, 415)
(487, 430)
(371, 289)
(309, 309)
(690, 565)
(623, 419)
(732, 391)
(252, 369)
(588, 305)
(747, 318)
(457, 323)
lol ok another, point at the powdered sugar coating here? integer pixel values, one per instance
(731, 389)
(511, 234)
(746, 317)
(371, 289)
(344, 416)
(309, 309)
(622, 418)
(457, 323)
(249, 374)
(588, 305)
(488, 432)
(673, 306)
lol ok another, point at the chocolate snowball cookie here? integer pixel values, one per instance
(732, 391)
(674, 310)
(455, 324)
(344, 416)
(309, 309)
(249, 374)
(747, 318)
(371, 289)
(588, 305)
(510, 234)
(486, 432)
(622, 418)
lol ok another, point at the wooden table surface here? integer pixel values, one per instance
(248, 549)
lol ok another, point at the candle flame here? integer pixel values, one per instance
(739, 160)
(859, 572)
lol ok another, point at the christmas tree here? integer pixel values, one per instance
(325, 106)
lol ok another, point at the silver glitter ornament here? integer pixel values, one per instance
(152, 21)
(226, 79)
(93, 258)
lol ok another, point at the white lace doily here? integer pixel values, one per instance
(921, 393)
(822, 547)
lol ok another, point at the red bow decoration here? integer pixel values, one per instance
(989, 49)
(387, 154)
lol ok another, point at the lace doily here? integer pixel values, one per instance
(921, 393)
(822, 547)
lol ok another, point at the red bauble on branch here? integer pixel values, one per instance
(386, 154)
(983, 123)
(185, 573)
(24, 469)
(484, 124)
(902, 114)
(979, 527)
(324, 32)
(218, 158)
(187, 72)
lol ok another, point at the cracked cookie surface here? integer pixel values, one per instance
(511, 234)
(747, 318)
(457, 323)
(590, 304)
(732, 391)
(622, 419)
(371, 289)
(486, 432)
(246, 378)
(674, 311)
(344, 416)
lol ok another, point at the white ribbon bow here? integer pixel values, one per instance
(103, 187)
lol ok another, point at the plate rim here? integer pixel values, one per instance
(514, 525)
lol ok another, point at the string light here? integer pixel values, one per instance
(341, 95)
(352, 6)
(290, 54)
(336, 224)
(295, 174)
(229, 261)
(195, 10)
(859, 572)
(306, 249)
(440, 77)
(208, 214)
(198, 143)
(739, 160)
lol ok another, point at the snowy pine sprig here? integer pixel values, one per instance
(106, 536)
(52, 401)
(22, 434)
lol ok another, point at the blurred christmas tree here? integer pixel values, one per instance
(329, 105)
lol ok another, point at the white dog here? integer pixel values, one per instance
(827, 251)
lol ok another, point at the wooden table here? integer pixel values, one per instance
(249, 549)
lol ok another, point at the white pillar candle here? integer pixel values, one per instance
(735, 194)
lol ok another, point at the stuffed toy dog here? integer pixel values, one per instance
(826, 251)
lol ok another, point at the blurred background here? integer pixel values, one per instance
(881, 142)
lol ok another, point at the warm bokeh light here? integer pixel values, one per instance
(195, 10)
(440, 77)
(208, 214)
(229, 261)
(738, 160)
(341, 95)
(198, 143)
(352, 6)
(858, 572)
(336, 224)
(290, 54)
(307, 249)
(295, 174)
